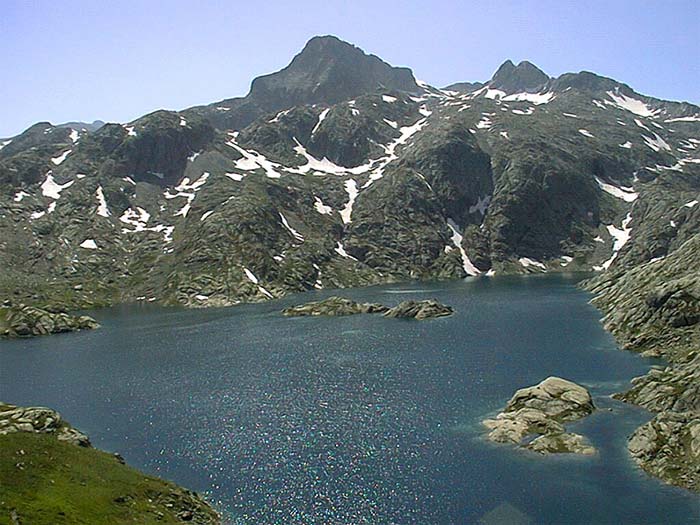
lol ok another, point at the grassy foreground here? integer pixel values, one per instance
(47, 481)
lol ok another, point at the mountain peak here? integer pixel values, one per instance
(329, 70)
(524, 77)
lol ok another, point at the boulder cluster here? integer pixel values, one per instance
(534, 417)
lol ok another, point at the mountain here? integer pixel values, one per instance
(342, 170)
(327, 71)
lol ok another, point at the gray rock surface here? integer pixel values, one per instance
(39, 420)
(420, 310)
(28, 321)
(540, 410)
(333, 306)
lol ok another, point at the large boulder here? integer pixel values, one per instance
(541, 410)
(557, 398)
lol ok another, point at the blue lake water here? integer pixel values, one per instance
(356, 419)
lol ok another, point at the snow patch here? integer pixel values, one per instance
(351, 189)
(626, 145)
(250, 275)
(277, 117)
(20, 195)
(484, 123)
(340, 250)
(321, 118)
(692, 118)
(621, 192)
(586, 133)
(102, 209)
(298, 236)
(392, 123)
(388, 98)
(691, 204)
(657, 143)
(620, 238)
(527, 262)
(235, 176)
(322, 208)
(630, 104)
(456, 239)
(535, 98)
(89, 244)
(58, 160)
(50, 188)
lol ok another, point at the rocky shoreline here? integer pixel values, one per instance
(654, 309)
(28, 321)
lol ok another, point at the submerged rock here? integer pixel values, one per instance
(28, 321)
(334, 306)
(428, 309)
(541, 409)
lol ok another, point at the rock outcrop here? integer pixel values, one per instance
(668, 447)
(336, 306)
(541, 410)
(653, 309)
(420, 310)
(39, 420)
(27, 321)
(333, 306)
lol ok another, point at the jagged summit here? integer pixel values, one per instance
(326, 71)
(329, 70)
(525, 77)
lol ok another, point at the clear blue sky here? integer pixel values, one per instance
(86, 60)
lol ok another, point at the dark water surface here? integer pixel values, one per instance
(358, 419)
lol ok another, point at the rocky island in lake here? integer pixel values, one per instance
(335, 306)
(540, 411)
